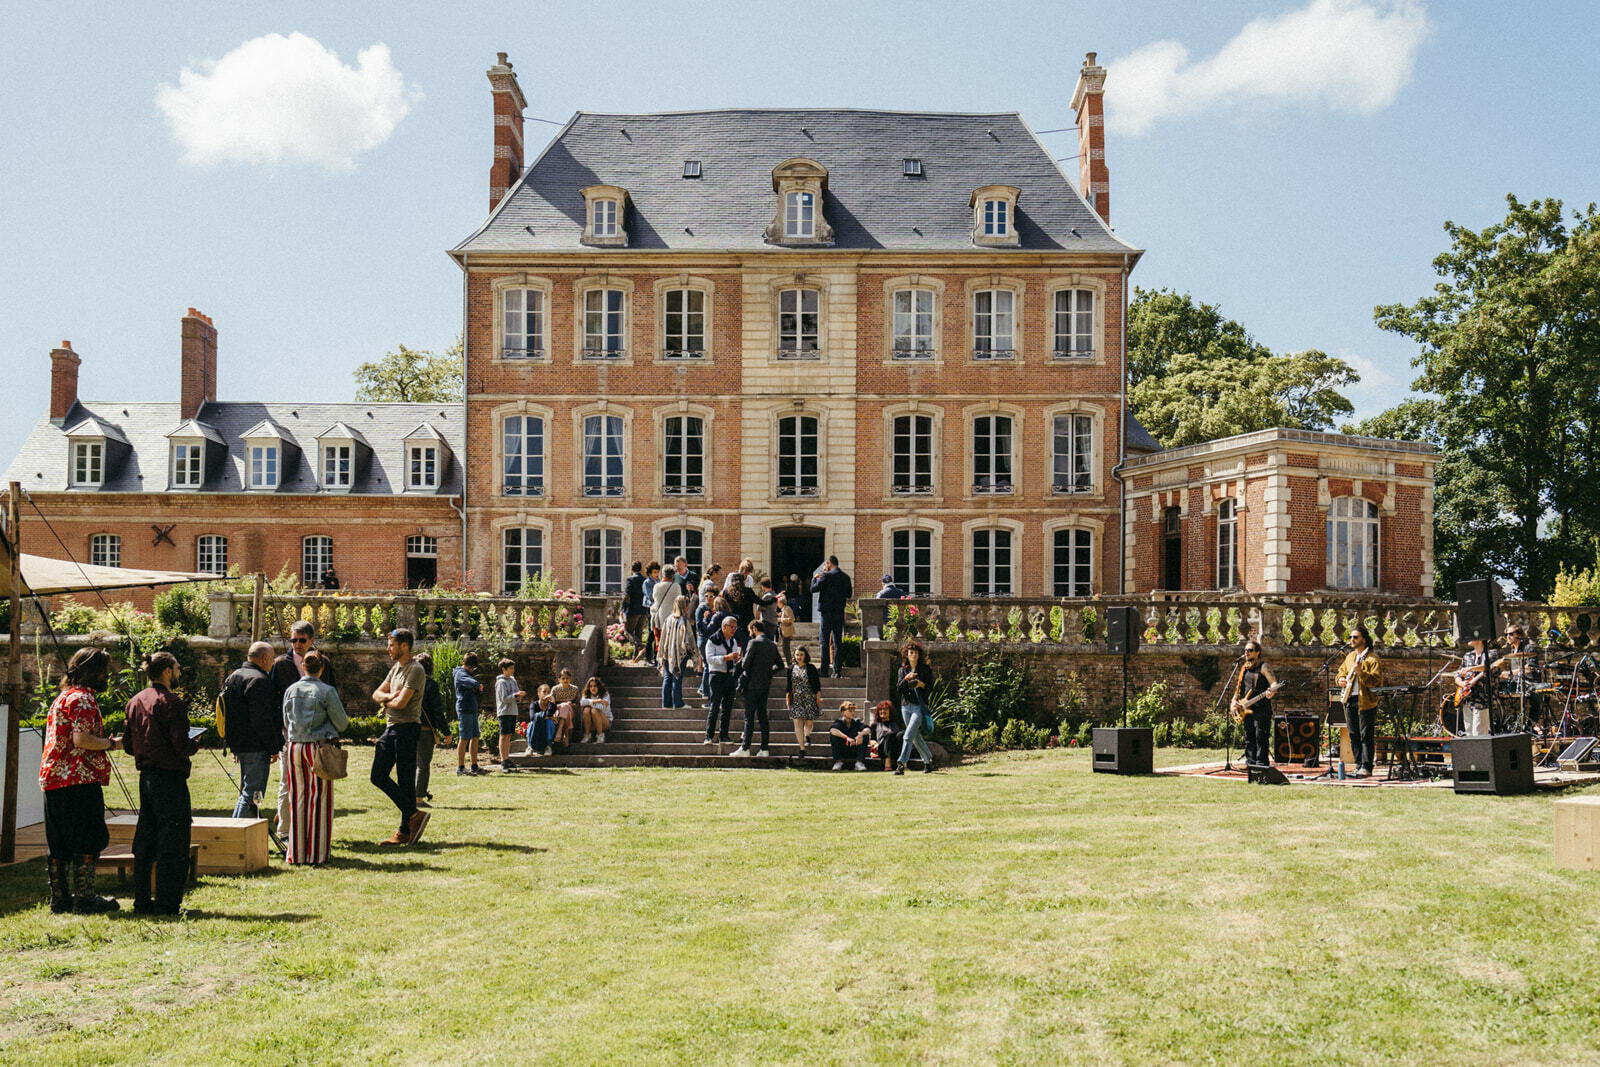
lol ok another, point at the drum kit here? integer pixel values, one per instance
(1551, 695)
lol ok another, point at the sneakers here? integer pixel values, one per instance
(764, 754)
(586, 738)
(709, 741)
(740, 751)
(546, 751)
(838, 765)
(461, 772)
(600, 739)
(899, 768)
(860, 766)
(419, 823)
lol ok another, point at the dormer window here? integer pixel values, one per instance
(604, 208)
(994, 215)
(691, 168)
(264, 465)
(913, 168)
(799, 215)
(189, 454)
(799, 218)
(424, 459)
(88, 463)
(340, 454)
(265, 456)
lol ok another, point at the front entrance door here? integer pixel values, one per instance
(797, 551)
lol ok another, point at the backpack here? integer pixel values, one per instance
(222, 715)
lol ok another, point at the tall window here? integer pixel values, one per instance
(1353, 544)
(602, 455)
(797, 323)
(188, 465)
(993, 318)
(991, 562)
(522, 448)
(685, 456)
(797, 456)
(263, 466)
(912, 461)
(521, 557)
(996, 218)
(422, 467)
(105, 550)
(911, 561)
(1227, 544)
(211, 554)
(688, 543)
(685, 333)
(316, 556)
(1072, 462)
(1074, 325)
(337, 466)
(522, 331)
(87, 462)
(913, 324)
(605, 218)
(604, 324)
(799, 215)
(602, 561)
(991, 454)
(1172, 548)
(1072, 565)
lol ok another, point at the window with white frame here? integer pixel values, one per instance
(522, 328)
(338, 466)
(521, 557)
(316, 556)
(911, 561)
(913, 324)
(996, 218)
(522, 448)
(604, 218)
(211, 554)
(686, 542)
(684, 333)
(1072, 454)
(422, 467)
(88, 462)
(1072, 563)
(602, 455)
(1074, 324)
(993, 324)
(798, 322)
(1227, 543)
(991, 454)
(911, 460)
(105, 550)
(991, 562)
(422, 546)
(188, 465)
(263, 466)
(684, 456)
(1353, 543)
(799, 215)
(604, 324)
(602, 561)
(797, 456)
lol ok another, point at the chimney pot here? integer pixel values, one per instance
(63, 382)
(1088, 59)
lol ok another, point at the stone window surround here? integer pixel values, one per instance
(985, 283)
(599, 407)
(520, 520)
(799, 280)
(683, 408)
(913, 281)
(992, 522)
(916, 522)
(683, 520)
(969, 414)
(582, 286)
(1095, 285)
(497, 416)
(1008, 193)
(1073, 521)
(684, 281)
(913, 406)
(799, 174)
(1097, 412)
(520, 281)
(1379, 521)
(601, 520)
(801, 408)
(593, 194)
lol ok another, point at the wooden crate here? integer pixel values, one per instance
(227, 846)
(1578, 833)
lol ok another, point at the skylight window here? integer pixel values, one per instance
(913, 168)
(691, 168)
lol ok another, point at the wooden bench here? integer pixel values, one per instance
(121, 861)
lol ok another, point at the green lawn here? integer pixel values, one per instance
(1020, 910)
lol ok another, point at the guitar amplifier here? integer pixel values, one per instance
(1294, 738)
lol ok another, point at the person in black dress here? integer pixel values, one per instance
(1256, 683)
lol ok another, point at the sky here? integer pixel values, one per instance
(298, 170)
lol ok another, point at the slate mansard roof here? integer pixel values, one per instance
(869, 201)
(142, 465)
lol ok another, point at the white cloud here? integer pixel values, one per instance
(1342, 54)
(277, 99)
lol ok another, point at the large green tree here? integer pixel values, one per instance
(1510, 349)
(413, 374)
(1163, 324)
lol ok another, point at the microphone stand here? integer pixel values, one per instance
(1227, 759)
(1326, 723)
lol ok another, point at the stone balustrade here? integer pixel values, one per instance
(358, 617)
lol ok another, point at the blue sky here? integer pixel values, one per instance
(1282, 168)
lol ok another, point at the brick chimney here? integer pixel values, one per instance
(199, 364)
(63, 382)
(508, 105)
(1088, 100)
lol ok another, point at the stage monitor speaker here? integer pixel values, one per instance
(1501, 764)
(1294, 738)
(1477, 609)
(1260, 775)
(1122, 633)
(1124, 750)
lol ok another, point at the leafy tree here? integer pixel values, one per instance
(1198, 397)
(413, 374)
(1162, 324)
(1510, 347)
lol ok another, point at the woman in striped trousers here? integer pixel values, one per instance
(312, 713)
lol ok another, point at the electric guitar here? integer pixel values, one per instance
(1241, 708)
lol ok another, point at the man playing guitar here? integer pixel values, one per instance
(1252, 705)
(1472, 689)
(1520, 673)
(1359, 675)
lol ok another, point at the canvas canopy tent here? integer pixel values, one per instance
(43, 576)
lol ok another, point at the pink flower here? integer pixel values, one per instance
(912, 610)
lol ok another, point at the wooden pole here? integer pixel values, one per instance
(13, 544)
(258, 604)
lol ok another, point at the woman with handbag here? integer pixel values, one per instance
(916, 679)
(676, 648)
(313, 719)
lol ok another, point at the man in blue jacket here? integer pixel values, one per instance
(832, 588)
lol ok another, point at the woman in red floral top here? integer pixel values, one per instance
(74, 768)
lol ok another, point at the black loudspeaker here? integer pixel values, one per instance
(1122, 633)
(1501, 764)
(1124, 750)
(1477, 609)
(1266, 776)
(1294, 738)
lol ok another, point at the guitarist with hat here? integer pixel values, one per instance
(1252, 705)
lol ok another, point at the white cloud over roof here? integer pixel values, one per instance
(286, 99)
(1341, 54)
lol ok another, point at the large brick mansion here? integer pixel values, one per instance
(892, 337)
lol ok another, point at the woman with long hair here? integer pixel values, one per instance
(916, 679)
(312, 714)
(73, 773)
(596, 702)
(675, 651)
(802, 697)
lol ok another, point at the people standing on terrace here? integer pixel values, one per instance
(761, 660)
(677, 649)
(833, 590)
(722, 660)
(803, 696)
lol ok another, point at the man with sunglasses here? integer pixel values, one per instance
(1258, 683)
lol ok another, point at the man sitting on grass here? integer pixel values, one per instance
(848, 737)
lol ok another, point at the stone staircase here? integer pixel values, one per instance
(643, 734)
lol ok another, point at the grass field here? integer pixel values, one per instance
(1020, 910)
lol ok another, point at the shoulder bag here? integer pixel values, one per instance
(329, 761)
